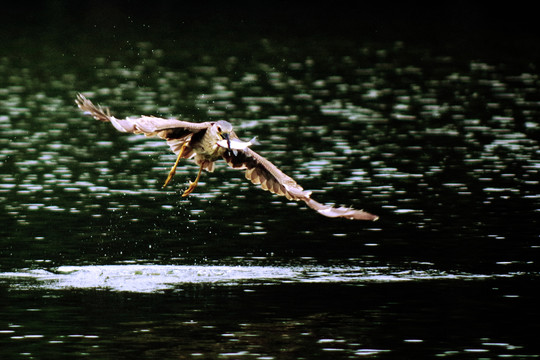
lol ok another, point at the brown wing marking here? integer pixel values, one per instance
(262, 172)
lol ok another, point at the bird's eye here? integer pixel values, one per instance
(219, 129)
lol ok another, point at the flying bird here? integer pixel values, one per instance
(208, 142)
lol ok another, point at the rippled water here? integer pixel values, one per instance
(156, 278)
(99, 261)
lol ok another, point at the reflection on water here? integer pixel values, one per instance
(444, 150)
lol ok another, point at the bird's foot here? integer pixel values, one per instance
(189, 190)
(170, 176)
(193, 184)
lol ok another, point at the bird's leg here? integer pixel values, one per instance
(173, 169)
(193, 184)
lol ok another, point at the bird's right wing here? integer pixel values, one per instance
(176, 132)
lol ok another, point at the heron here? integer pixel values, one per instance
(208, 142)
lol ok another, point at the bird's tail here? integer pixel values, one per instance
(98, 112)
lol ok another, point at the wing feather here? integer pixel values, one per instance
(262, 172)
(176, 132)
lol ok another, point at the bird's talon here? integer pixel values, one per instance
(168, 180)
(190, 189)
(192, 184)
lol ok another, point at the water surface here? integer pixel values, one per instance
(97, 260)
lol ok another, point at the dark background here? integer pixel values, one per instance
(474, 29)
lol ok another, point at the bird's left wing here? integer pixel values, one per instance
(262, 172)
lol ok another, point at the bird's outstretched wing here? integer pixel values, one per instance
(262, 172)
(258, 169)
(176, 132)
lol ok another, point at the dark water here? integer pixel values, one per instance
(97, 261)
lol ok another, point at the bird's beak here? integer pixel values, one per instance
(226, 137)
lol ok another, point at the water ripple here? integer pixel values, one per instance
(150, 278)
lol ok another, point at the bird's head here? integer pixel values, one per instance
(223, 130)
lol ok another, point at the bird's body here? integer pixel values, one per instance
(207, 151)
(209, 142)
